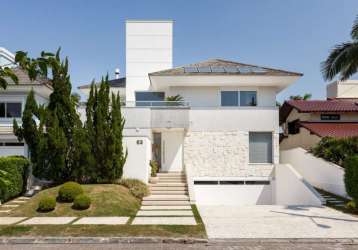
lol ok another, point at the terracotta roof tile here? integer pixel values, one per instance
(332, 129)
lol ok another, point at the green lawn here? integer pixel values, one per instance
(107, 200)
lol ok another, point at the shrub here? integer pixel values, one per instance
(137, 188)
(46, 204)
(13, 176)
(154, 168)
(69, 191)
(351, 176)
(336, 150)
(82, 202)
(351, 205)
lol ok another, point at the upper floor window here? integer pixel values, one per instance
(247, 98)
(293, 127)
(330, 117)
(147, 98)
(10, 109)
(238, 98)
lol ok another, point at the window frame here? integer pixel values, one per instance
(6, 112)
(238, 91)
(271, 162)
(330, 116)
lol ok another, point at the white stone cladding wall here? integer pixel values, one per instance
(223, 154)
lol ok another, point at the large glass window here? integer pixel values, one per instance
(10, 109)
(2, 110)
(260, 147)
(149, 98)
(229, 98)
(238, 98)
(247, 98)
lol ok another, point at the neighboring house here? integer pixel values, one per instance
(224, 135)
(12, 103)
(305, 123)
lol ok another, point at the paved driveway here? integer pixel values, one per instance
(277, 222)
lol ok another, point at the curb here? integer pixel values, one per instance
(352, 241)
(97, 240)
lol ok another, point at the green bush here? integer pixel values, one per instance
(13, 176)
(154, 168)
(69, 191)
(137, 188)
(351, 205)
(336, 150)
(82, 202)
(47, 204)
(351, 176)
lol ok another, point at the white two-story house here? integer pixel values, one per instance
(224, 134)
(12, 103)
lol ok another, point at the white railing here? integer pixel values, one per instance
(158, 104)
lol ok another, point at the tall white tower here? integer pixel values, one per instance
(149, 48)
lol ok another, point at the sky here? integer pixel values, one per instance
(294, 35)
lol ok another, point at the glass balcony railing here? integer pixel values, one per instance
(163, 104)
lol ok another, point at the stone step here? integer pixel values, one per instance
(172, 178)
(166, 198)
(170, 192)
(166, 207)
(165, 203)
(165, 213)
(168, 184)
(171, 181)
(173, 188)
(171, 174)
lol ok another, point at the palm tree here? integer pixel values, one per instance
(175, 100)
(6, 72)
(343, 59)
(305, 97)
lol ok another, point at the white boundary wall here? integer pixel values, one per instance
(293, 189)
(318, 172)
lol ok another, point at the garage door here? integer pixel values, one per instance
(12, 148)
(242, 192)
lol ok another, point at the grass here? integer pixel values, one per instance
(107, 200)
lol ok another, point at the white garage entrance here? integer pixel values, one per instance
(233, 192)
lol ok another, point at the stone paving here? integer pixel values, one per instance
(48, 221)
(10, 220)
(10, 205)
(273, 221)
(164, 221)
(102, 221)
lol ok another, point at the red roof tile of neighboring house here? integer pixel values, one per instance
(332, 105)
(332, 129)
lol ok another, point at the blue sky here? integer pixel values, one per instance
(288, 34)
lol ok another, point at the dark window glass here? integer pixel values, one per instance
(2, 109)
(248, 98)
(206, 182)
(260, 147)
(330, 117)
(229, 98)
(149, 98)
(293, 127)
(13, 109)
(257, 182)
(14, 144)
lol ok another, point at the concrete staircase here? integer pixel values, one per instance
(168, 203)
(171, 190)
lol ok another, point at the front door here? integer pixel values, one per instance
(172, 151)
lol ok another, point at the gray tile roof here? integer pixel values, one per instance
(114, 83)
(222, 67)
(25, 80)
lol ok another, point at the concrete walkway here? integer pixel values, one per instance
(114, 220)
(277, 222)
(7, 207)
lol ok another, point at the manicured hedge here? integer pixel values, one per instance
(351, 176)
(47, 204)
(13, 176)
(82, 202)
(69, 191)
(137, 188)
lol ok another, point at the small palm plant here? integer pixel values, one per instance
(6, 72)
(343, 59)
(305, 97)
(175, 100)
